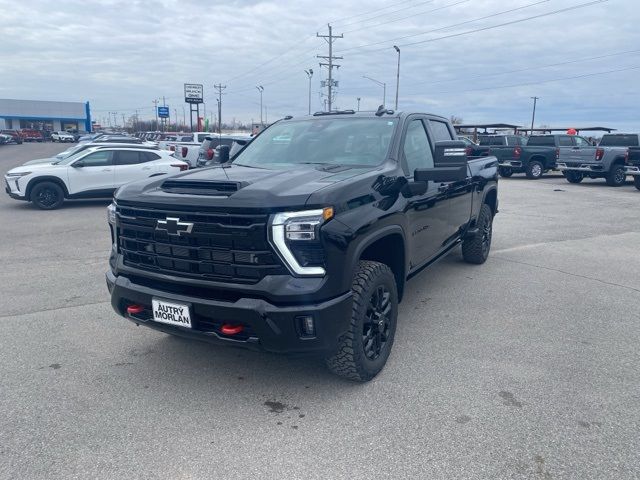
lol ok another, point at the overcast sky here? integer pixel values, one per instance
(481, 60)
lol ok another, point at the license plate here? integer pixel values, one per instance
(176, 314)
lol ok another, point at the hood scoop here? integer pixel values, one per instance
(202, 187)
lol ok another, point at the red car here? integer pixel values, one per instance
(29, 135)
(15, 134)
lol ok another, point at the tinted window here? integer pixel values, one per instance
(97, 159)
(125, 157)
(564, 141)
(149, 157)
(491, 140)
(619, 141)
(440, 131)
(416, 148)
(542, 140)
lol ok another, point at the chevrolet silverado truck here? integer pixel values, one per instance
(632, 165)
(607, 160)
(302, 242)
(501, 147)
(534, 157)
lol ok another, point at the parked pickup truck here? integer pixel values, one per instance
(304, 241)
(188, 151)
(207, 151)
(537, 156)
(607, 160)
(632, 166)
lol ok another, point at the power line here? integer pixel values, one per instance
(503, 12)
(367, 13)
(387, 13)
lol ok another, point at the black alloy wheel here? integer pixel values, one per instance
(375, 331)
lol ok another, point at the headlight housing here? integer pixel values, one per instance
(296, 238)
(111, 213)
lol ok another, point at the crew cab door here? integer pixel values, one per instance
(426, 212)
(458, 199)
(132, 165)
(93, 173)
(567, 149)
(583, 150)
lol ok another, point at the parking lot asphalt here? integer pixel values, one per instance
(525, 367)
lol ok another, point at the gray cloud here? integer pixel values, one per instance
(122, 55)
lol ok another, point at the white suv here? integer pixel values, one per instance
(62, 137)
(92, 173)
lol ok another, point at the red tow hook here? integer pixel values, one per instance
(228, 329)
(135, 309)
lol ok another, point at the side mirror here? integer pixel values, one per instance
(223, 153)
(440, 174)
(78, 164)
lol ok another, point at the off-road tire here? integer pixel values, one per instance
(573, 177)
(47, 195)
(505, 172)
(535, 170)
(349, 359)
(616, 176)
(476, 249)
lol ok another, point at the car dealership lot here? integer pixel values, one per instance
(524, 367)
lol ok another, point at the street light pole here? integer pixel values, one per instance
(309, 74)
(397, 76)
(533, 117)
(358, 103)
(382, 84)
(260, 89)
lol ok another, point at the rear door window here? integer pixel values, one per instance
(440, 131)
(128, 157)
(564, 141)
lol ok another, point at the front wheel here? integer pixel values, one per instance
(535, 170)
(476, 249)
(573, 177)
(616, 176)
(363, 350)
(47, 196)
(505, 172)
(636, 181)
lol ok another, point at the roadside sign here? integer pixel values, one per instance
(163, 112)
(193, 93)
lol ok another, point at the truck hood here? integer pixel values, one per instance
(236, 186)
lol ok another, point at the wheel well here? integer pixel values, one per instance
(618, 161)
(537, 159)
(491, 199)
(36, 181)
(390, 251)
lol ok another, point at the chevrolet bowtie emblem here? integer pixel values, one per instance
(173, 226)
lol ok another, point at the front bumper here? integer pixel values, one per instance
(582, 167)
(15, 194)
(267, 326)
(632, 169)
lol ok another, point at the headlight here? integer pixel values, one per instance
(111, 214)
(18, 175)
(295, 236)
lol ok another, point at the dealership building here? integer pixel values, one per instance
(43, 115)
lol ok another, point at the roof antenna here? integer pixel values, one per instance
(381, 111)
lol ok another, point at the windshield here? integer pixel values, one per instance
(72, 158)
(70, 151)
(336, 141)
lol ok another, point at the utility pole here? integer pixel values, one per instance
(261, 89)
(115, 121)
(155, 108)
(309, 74)
(533, 117)
(164, 120)
(175, 117)
(358, 103)
(123, 122)
(219, 87)
(384, 88)
(397, 76)
(329, 64)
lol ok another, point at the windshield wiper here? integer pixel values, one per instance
(248, 166)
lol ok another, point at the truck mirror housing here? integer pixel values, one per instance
(223, 153)
(441, 174)
(450, 153)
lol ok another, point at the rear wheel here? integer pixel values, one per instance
(535, 170)
(636, 181)
(363, 350)
(616, 176)
(47, 195)
(505, 172)
(476, 249)
(573, 177)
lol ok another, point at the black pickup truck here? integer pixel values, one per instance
(632, 165)
(535, 156)
(303, 241)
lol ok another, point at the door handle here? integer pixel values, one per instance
(443, 187)
(146, 168)
(106, 169)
